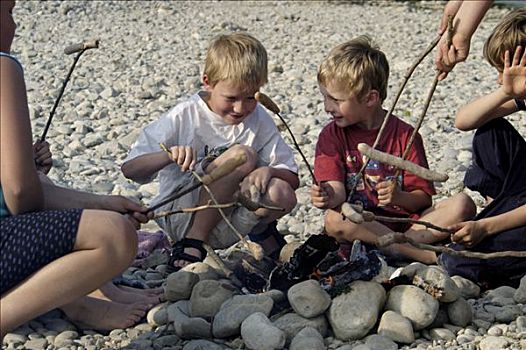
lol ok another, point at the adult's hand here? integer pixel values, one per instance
(42, 156)
(134, 211)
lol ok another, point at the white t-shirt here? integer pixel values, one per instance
(193, 123)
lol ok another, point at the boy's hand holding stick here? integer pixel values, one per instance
(219, 172)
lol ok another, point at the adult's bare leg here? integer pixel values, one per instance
(106, 244)
(129, 295)
(100, 314)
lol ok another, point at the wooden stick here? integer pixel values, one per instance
(420, 119)
(241, 201)
(397, 237)
(401, 163)
(409, 220)
(357, 215)
(255, 249)
(219, 262)
(271, 106)
(224, 169)
(193, 209)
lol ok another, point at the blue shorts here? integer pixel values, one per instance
(30, 241)
(497, 171)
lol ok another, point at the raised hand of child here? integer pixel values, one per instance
(468, 233)
(42, 156)
(388, 192)
(514, 74)
(319, 195)
(258, 178)
(184, 156)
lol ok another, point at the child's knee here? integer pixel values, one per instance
(463, 206)
(281, 193)
(337, 228)
(248, 152)
(121, 242)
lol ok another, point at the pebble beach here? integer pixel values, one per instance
(150, 58)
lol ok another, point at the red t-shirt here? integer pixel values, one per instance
(338, 159)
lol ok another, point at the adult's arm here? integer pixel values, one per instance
(466, 21)
(18, 175)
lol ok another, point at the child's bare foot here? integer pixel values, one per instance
(129, 295)
(97, 314)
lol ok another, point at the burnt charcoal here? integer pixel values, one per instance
(253, 281)
(302, 263)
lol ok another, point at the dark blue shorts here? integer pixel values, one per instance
(30, 241)
(499, 172)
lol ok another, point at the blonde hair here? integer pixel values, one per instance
(239, 58)
(506, 36)
(357, 66)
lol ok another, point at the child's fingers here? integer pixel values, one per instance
(507, 59)
(517, 56)
(187, 159)
(523, 59)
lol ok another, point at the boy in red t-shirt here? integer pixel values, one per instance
(353, 82)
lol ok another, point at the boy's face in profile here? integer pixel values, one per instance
(345, 110)
(231, 102)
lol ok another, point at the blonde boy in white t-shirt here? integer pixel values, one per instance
(223, 120)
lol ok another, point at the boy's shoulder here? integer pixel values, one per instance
(191, 105)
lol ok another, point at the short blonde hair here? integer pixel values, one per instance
(239, 58)
(357, 66)
(506, 36)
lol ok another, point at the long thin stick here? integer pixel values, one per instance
(358, 216)
(68, 50)
(252, 206)
(222, 266)
(271, 106)
(252, 247)
(224, 169)
(420, 119)
(193, 209)
(397, 237)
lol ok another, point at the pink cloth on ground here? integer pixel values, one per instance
(148, 242)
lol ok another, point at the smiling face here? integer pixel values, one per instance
(7, 25)
(345, 110)
(230, 101)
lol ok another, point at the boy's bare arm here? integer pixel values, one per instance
(413, 201)
(328, 194)
(477, 113)
(498, 103)
(472, 232)
(142, 168)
